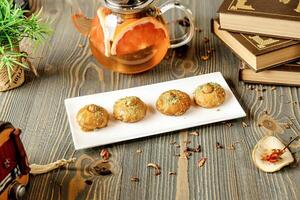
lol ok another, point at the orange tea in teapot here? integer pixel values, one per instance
(126, 38)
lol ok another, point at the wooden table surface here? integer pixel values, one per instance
(66, 70)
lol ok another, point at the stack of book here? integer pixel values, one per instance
(265, 35)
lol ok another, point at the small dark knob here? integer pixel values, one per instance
(17, 191)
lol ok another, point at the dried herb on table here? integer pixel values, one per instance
(172, 173)
(206, 40)
(287, 125)
(187, 153)
(134, 179)
(105, 154)
(231, 147)
(156, 167)
(244, 124)
(195, 133)
(228, 124)
(201, 162)
(173, 142)
(219, 146)
(205, 57)
(187, 142)
(139, 151)
(198, 29)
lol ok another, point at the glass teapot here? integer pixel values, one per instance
(131, 36)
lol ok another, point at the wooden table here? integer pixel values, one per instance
(66, 70)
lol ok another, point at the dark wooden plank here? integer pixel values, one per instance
(67, 71)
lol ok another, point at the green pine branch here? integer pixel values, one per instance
(14, 27)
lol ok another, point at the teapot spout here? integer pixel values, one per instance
(82, 24)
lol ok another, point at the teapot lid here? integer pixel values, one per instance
(127, 6)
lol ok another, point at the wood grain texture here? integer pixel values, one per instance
(68, 71)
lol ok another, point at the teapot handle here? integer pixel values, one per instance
(187, 37)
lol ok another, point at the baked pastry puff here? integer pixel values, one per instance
(173, 103)
(92, 117)
(209, 95)
(129, 109)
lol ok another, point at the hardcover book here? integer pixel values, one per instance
(286, 74)
(279, 18)
(257, 51)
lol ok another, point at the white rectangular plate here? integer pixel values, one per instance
(154, 123)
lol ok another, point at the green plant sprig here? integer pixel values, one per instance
(14, 27)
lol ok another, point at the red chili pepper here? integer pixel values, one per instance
(274, 156)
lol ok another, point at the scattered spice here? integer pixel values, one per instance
(172, 173)
(231, 147)
(139, 151)
(260, 98)
(173, 142)
(287, 125)
(197, 149)
(273, 88)
(228, 124)
(198, 29)
(103, 171)
(219, 146)
(156, 167)
(265, 112)
(195, 133)
(105, 154)
(88, 182)
(187, 142)
(134, 179)
(187, 153)
(201, 162)
(244, 124)
(251, 87)
(260, 90)
(205, 57)
(206, 39)
(177, 146)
